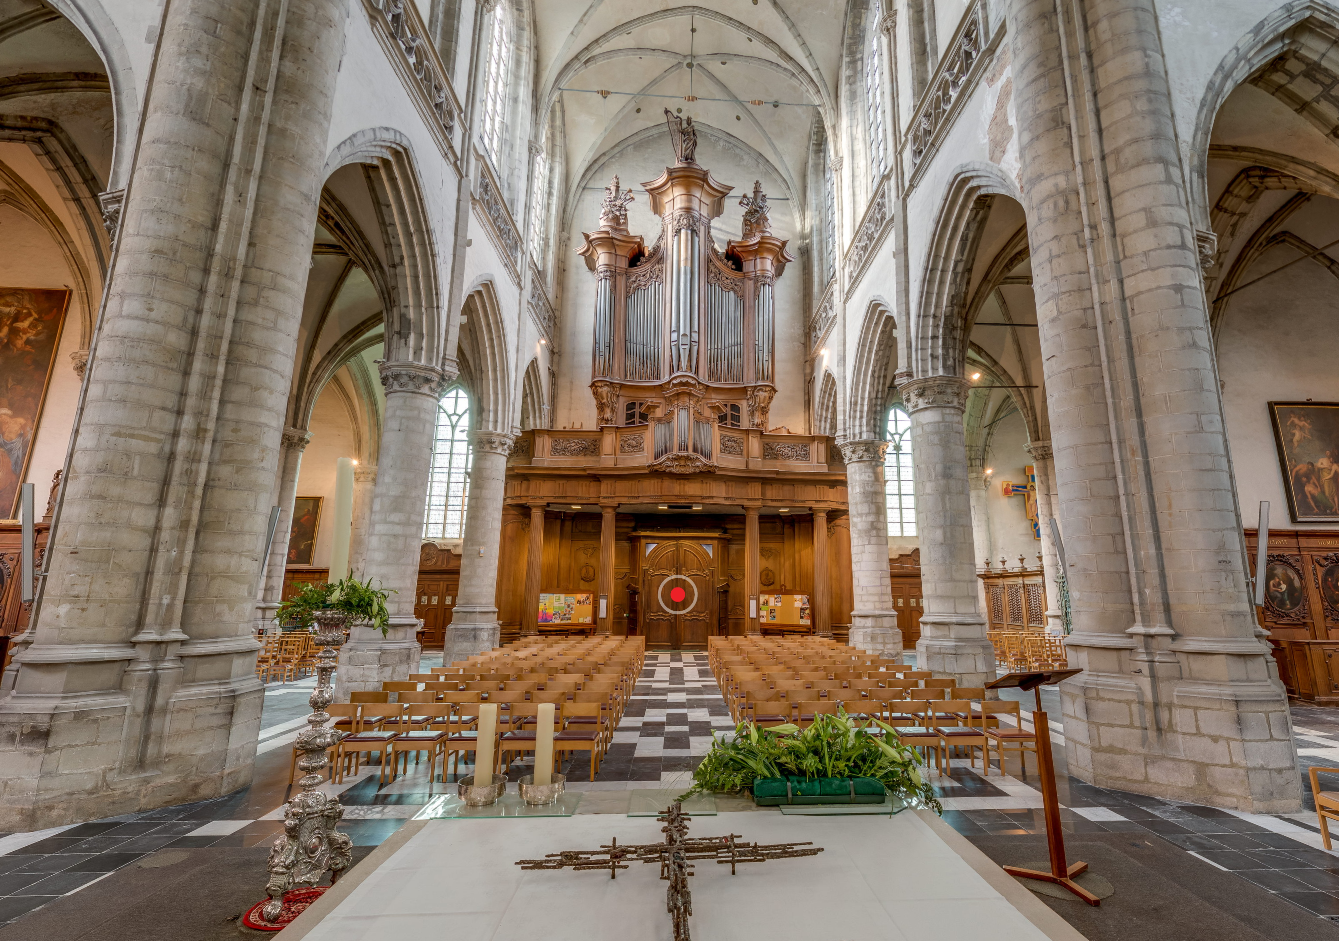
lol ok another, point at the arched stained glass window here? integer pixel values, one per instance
(897, 479)
(452, 456)
(495, 91)
(878, 141)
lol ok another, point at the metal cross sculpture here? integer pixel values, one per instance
(674, 856)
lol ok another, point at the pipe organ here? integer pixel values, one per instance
(685, 332)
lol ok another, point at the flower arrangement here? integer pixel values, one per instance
(357, 599)
(835, 746)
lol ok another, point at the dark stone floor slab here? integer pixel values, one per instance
(199, 897)
(1163, 893)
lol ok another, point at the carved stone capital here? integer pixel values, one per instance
(869, 450)
(296, 439)
(414, 378)
(1206, 245)
(934, 392)
(111, 203)
(1040, 450)
(888, 23)
(79, 360)
(365, 473)
(493, 442)
(836, 164)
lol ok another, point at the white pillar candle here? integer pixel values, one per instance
(483, 755)
(544, 744)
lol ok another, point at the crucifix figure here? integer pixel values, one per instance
(674, 856)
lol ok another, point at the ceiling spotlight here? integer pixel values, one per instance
(784, 509)
(542, 341)
(976, 376)
(662, 506)
(576, 506)
(989, 471)
(355, 462)
(824, 351)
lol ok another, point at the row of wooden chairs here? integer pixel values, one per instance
(1022, 651)
(286, 656)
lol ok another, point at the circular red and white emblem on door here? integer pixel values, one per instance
(678, 594)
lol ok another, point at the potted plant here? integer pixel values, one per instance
(835, 760)
(356, 601)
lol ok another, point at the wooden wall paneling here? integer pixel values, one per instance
(510, 595)
(839, 570)
(13, 612)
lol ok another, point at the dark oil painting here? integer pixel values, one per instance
(1307, 434)
(302, 537)
(30, 324)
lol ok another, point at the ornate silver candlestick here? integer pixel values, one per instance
(310, 846)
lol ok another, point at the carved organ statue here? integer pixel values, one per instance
(684, 335)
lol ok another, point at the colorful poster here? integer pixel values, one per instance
(30, 324)
(562, 608)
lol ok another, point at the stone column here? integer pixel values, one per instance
(751, 566)
(139, 688)
(364, 484)
(953, 631)
(608, 530)
(873, 619)
(534, 566)
(294, 442)
(819, 606)
(1176, 698)
(399, 502)
(1043, 465)
(474, 626)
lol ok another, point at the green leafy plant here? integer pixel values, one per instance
(358, 599)
(835, 746)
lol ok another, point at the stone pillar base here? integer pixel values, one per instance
(63, 761)
(956, 648)
(876, 632)
(368, 659)
(473, 630)
(1209, 729)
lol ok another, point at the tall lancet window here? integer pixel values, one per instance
(897, 480)
(878, 140)
(495, 84)
(539, 218)
(452, 455)
(829, 222)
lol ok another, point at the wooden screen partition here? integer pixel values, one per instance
(1015, 598)
(1301, 610)
(438, 585)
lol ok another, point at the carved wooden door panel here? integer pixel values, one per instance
(678, 594)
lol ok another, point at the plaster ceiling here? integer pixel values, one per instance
(785, 51)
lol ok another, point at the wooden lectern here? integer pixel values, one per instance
(1061, 872)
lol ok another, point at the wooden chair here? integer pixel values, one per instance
(927, 695)
(428, 733)
(1327, 802)
(920, 735)
(460, 696)
(765, 708)
(463, 735)
(1003, 736)
(811, 708)
(938, 683)
(369, 696)
(268, 657)
(952, 719)
(369, 740)
(521, 737)
(587, 736)
(399, 686)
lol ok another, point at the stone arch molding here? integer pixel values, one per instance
(1274, 35)
(870, 371)
(937, 329)
(485, 368)
(91, 19)
(415, 328)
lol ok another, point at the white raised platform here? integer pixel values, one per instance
(878, 879)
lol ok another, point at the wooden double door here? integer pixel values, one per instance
(678, 592)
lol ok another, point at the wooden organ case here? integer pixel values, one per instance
(684, 335)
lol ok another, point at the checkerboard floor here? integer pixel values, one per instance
(666, 729)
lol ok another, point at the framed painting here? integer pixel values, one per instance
(302, 537)
(31, 320)
(1307, 435)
